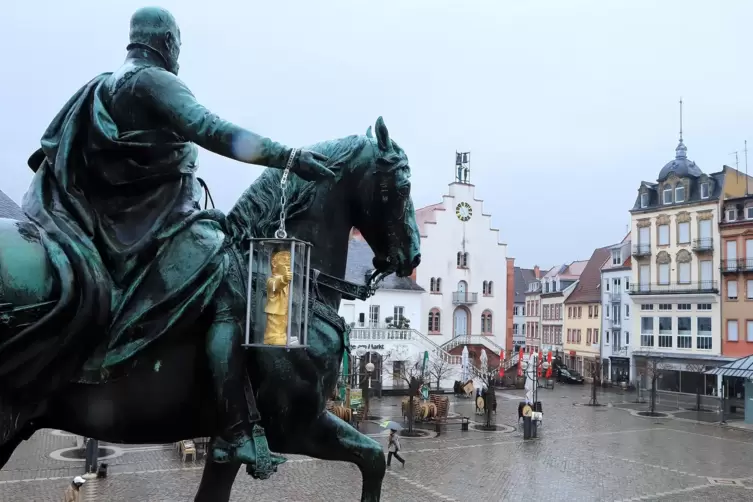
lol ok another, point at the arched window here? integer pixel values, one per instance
(486, 323)
(434, 321)
(433, 285)
(460, 259)
(680, 192)
(490, 288)
(484, 289)
(439, 284)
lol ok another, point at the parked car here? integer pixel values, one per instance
(565, 375)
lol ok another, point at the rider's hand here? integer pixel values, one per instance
(310, 166)
(288, 276)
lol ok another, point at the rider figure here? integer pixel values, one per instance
(146, 95)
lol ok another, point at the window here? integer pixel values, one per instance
(627, 283)
(607, 285)
(579, 336)
(667, 199)
(435, 325)
(627, 338)
(731, 330)
(704, 190)
(483, 288)
(647, 331)
(703, 338)
(523, 326)
(590, 313)
(432, 285)
(515, 329)
(523, 312)
(569, 336)
(606, 312)
(486, 322)
(465, 260)
(644, 200)
(664, 273)
(749, 292)
(665, 306)
(546, 312)
(684, 306)
(558, 313)
(647, 306)
(684, 337)
(732, 290)
(644, 278)
(569, 312)
(374, 316)
(665, 332)
(616, 257)
(749, 331)
(615, 313)
(588, 336)
(663, 235)
(683, 232)
(749, 213)
(361, 319)
(516, 310)
(490, 288)
(580, 312)
(439, 285)
(627, 311)
(704, 306)
(606, 336)
(398, 315)
(596, 311)
(460, 259)
(680, 193)
(731, 214)
(596, 335)
(683, 272)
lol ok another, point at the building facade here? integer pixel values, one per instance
(675, 276)
(464, 271)
(523, 278)
(582, 324)
(736, 233)
(556, 286)
(533, 317)
(616, 315)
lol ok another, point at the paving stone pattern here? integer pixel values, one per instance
(582, 454)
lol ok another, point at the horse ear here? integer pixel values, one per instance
(383, 135)
(368, 133)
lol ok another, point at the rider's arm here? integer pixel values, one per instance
(169, 97)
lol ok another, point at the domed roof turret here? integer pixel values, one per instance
(681, 166)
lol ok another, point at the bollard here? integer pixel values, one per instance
(527, 427)
(92, 456)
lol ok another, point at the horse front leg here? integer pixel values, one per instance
(330, 438)
(217, 481)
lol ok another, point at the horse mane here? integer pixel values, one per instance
(256, 214)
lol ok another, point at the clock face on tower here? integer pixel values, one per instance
(464, 211)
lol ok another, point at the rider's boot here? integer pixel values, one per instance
(243, 439)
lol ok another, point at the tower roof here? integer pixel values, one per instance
(681, 166)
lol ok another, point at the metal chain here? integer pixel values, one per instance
(281, 233)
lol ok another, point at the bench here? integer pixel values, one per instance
(444, 422)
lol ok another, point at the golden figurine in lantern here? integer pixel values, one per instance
(276, 331)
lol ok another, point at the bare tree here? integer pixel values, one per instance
(413, 374)
(653, 369)
(696, 368)
(439, 369)
(595, 373)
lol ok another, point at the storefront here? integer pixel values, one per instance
(619, 369)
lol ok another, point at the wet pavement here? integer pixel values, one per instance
(583, 453)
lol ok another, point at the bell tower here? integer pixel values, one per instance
(463, 167)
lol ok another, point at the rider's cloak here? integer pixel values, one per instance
(135, 258)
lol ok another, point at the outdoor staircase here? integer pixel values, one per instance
(485, 341)
(407, 335)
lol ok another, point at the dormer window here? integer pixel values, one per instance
(616, 257)
(732, 214)
(667, 195)
(644, 200)
(680, 193)
(704, 190)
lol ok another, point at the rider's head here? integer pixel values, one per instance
(155, 28)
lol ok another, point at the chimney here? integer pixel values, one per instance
(536, 272)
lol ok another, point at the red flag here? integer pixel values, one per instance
(502, 363)
(549, 369)
(539, 363)
(520, 362)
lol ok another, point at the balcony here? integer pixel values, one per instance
(641, 250)
(615, 323)
(703, 245)
(615, 297)
(735, 266)
(619, 351)
(672, 289)
(464, 298)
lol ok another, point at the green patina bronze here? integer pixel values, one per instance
(119, 265)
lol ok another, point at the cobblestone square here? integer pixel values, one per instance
(582, 454)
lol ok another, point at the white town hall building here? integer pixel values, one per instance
(457, 297)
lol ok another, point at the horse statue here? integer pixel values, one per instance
(168, 396)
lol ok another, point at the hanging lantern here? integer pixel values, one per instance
(277, 307)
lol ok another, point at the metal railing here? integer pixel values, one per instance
(387, 334)
(619, 350)
(615, 323)
(464, 298)
(641, 250)
(615, 297)
(665, 289)
(738, 265)
(484, 340)
(703, 244)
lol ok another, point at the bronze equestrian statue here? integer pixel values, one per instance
(121, 302)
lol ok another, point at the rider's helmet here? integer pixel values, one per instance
(156, 29)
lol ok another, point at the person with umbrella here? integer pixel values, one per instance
(393, 443)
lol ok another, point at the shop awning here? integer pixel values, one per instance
(742, 367)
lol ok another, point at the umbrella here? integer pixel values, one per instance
(464, 364)
(389, 424)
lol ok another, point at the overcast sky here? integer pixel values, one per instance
(565, 105)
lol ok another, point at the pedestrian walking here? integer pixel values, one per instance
(73, 492)
(393, 447)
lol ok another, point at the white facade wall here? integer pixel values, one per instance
(617, 338)
(519, 324)
(694, 299)
(443, 236)
(385, 300)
